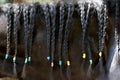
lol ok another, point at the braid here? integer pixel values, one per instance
(9, 25)
(32, 22)
(61, 31)
(66, 37)
(100, 22)
(84, 23)
(53, 18)
(104, 24)
(48, 30)
(82, 8)
(8, 10)
(67, 29)
(16, 24)
(60, 36)
(53, 27)
(25, 14)
(102, 17)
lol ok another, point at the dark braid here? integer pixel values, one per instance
(105, 23)
(16, 25)
(31, 28)
(48, 28)
(102, 17)
(53, 29)
(102, 20)
(61, 32)
(100, 32)
(60, 36)
(70, 9)
(84, 23)
(82, 16)
(8, 11)
(9, 25)
(67, 29)
(53, 26)
(25, 14)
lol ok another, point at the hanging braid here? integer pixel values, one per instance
(8, 11)
(25, 15)
(53, 29)
(53, 18)
(82, 16)
(9, 25)
(105, 23)
(100, 22)
(61, 32)
(16, 25)
(31, 28)
(68, 29)
(84, 23)
(48, 28)
(102, 17)
(70, 9)
(60, 36)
